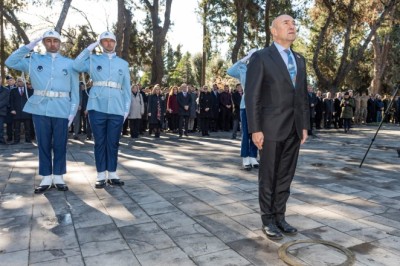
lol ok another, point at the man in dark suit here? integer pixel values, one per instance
(9, 117)
(18, 99)
(278, 119)
(184, 102)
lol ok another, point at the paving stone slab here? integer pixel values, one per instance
(91, 249)
(258, 251)
(169, 256)
(369, 254)
(199, 244)
(16, 258)
(222, 258)
(146, 237)
(119, 257)
(67, 261)
(224, 227)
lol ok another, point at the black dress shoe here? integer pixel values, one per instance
(272, 231)
(41, 189)
(286, 228)
(100, 184)
(61, 187)
(115, 182)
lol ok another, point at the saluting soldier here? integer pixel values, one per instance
(108, 105)
(53, 104)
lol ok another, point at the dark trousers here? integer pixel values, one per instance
(134, 125)
(9, 131)
(52, 137)
(183, 120)
(318, 118)
(17, 129)
(327, 119)
(106, 131)
(226, 118)
(278, 161)
(346, 123)
(2, 118)
(174, 122)
(204, 125)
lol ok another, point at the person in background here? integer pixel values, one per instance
(4, 102)
(156, 109)
(346, 113)
(312, 101)
(108, 104)
(9, 117)
(135, 112)
(18, 98)
(184, 102)
(53, 104)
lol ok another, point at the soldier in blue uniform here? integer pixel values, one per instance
(53, 104)
(108, 104)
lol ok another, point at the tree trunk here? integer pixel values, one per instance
(205, 44)
(381, 52)
(119, 34)
(159, 34)
(63, 16)
(267, 23)
(127, 34)
(240, 6)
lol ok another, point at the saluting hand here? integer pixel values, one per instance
(258, 139)
(92, 46)
(33, 43)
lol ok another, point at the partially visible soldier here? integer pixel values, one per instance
(53, 104)
(108, 104)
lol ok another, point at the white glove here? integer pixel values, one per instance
(125, 116)
(33, 43)
(92, 46)
(70, 119)
(249, 54)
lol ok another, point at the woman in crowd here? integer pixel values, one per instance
(156, 110)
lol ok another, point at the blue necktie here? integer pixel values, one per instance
(291, 67)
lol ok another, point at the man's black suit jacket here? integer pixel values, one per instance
(273, 104)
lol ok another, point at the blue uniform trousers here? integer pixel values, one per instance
(52, 137)
(106, 130)
(247, 147)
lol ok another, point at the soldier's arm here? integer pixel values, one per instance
(74, 93)
(17, 59)
(82, 61)
(126, 86)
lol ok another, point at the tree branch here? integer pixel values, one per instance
(10, 17)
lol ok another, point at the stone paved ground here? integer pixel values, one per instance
(187, 202)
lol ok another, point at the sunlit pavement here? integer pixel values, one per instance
(187, 202)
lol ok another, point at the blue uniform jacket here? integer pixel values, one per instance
(238, 71)
(48, 74)
(106, 69)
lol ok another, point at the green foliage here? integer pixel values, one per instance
(183, 72)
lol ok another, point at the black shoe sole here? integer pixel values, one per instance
(115, 183)
(279, 237)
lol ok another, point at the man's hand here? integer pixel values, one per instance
(258, 139)
(125, 116)
(305, 136)
(13, 112)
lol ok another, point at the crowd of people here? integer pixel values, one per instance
(186, 109)
(347, 108)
